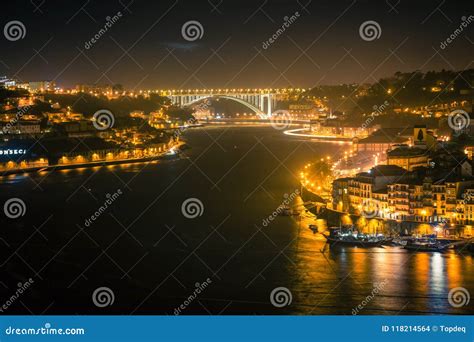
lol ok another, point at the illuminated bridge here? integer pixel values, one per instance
(261, 101)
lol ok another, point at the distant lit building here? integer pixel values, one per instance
(77, 129)
(94, 88)
(57, 117)
(139, 114)
(469, 151)
(382, 140)
(304, 111)
(23, 127)
(6, 82)
(407, 157)
(41, 86)
(340, 130)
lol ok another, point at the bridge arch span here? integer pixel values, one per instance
(257, 110)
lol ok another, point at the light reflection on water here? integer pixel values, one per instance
(249, 263)
(342, 277)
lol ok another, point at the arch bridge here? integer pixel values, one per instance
(261, 101)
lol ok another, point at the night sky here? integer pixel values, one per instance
(145, 47)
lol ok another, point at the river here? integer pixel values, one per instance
(153, 258)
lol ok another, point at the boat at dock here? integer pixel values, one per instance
(347, 236)
(294, 210)
(426, 246)
(431, 243)
(285, 210)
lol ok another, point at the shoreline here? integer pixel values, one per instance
(319, 138)
(92, 164)
(333, 217)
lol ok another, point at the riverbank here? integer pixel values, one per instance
(57, 167)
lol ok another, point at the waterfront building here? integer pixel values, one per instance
(99, 155)
(340, 194)
(336, 129)
(396, 194)
(22, 164)
(18, 154)
(362, 187)
(380, 203)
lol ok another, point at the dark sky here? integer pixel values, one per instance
(145, 47)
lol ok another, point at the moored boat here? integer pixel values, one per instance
(286, 210)
(426, 246)
(346, 236)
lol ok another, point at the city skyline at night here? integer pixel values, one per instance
(141, 45)
(258, 160)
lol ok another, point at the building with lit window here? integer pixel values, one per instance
(395, 194)
(407, 157)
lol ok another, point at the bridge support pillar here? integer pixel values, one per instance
(269, 107)
(269, 101)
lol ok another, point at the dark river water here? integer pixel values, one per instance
(153, 258)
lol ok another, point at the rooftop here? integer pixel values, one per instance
(387, 170)
(388, 135)
(406, 152)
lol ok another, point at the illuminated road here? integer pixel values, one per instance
(322, 138)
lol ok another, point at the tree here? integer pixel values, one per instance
(420, 135)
